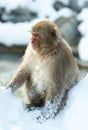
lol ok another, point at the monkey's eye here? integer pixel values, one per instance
(36, 35)
(53, 33)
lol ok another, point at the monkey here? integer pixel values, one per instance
(48, 70)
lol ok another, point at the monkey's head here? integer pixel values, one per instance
(44, 34)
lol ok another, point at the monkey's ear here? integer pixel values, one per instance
(53, 32)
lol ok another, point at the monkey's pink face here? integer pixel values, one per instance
(35, 40)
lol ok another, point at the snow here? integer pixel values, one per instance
(13, 33)
(83, 16)
(83, 29)
(65, 2)
(81, 2)
(83, 48)
(64, 12)
(43, 8)
(9, 5)
(17, 33)
(47, 10)
(13, 116)
(34, 5)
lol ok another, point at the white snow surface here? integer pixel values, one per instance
(13, 116)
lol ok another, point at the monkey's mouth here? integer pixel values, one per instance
(35, 43)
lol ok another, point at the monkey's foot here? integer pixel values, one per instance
(49, 111)
(28, 107)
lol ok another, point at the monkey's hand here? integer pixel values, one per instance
(29, 107)
(12, 85)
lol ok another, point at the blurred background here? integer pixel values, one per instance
(17, 18)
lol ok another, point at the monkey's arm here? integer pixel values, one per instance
(19, 78)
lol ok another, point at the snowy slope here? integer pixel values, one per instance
(13, 116)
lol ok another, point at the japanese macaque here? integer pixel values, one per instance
(48, 70)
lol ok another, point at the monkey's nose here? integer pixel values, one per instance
(36, 35)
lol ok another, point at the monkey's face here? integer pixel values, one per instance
(44, 35)
(35, 40)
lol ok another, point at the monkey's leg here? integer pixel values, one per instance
(33, 99)
(28, 104)
(26, 93)
(52, 105)
(64, 99)
(33, 102)
(27, 88)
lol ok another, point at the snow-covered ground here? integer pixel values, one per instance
(13, 116)
(83, 29)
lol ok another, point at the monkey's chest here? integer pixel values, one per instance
(40, 78)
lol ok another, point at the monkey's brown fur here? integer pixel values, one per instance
(48, 69)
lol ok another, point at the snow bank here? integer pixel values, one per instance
(73, 117)
(83, 29)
